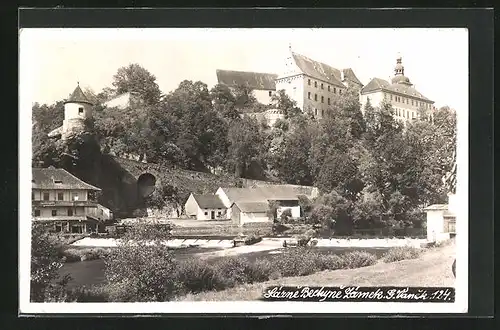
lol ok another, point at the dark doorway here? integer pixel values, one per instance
(212, 215)
(146, 184)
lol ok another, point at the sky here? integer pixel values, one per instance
(54, 60)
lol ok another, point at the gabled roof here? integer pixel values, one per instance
(262, 194)
(209, 201)
(252, 207)
(57, 178)
(349, 75)
(78, 96)
(378, 84)
(254, 80)
(318, 70)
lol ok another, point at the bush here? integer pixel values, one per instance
(330, 262)
(198, 275)
(295, 262)
(302, 240)
(401, 253)
(357, 259)
(72, 255)
(234, 271)
(252, 239)
(89, 294)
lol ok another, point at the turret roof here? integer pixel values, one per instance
(78, 96)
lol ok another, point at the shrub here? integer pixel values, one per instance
(295, 262)
(330, 262)
(89, 294)
(198, 275)
(401, 253)
(357, 259)
(238, 270)
(302, 240)
(310, 233)
(263, 270)
(72, 255)
(252, 239)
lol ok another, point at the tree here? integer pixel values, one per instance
(284, 103)
(224, 102)
(244, 97)
(137, 80)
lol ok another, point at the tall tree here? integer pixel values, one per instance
(136, 79)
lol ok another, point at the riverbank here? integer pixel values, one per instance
(432, 268)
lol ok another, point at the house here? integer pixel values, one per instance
(262, 84)
(408, 103)
(205, 207)
(441, 220)
(65, 202)
(284, 196)
(245, 212)
(313, 85)
(123, 101)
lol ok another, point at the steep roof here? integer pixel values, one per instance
(349, 75)
(78, 96)
(209, 201)
(252, 207)
(318, 70)
(378, 84)
(57, 178)
(254, 80)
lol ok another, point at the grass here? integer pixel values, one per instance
(82, 254)
(401, 253)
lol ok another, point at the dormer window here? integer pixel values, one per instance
(80, 110)
(58, 181)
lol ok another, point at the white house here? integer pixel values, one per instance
(205, 207)
(262, 84)
(441, 219)
(246, 212)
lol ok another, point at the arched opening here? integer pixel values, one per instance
(146, 184)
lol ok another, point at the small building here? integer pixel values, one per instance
(441, 221)
(246, 212)
(270, 116)
(262, 84)
(65, 202)
(123, 101)
(205, 207)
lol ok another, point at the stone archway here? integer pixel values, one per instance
(146, 185)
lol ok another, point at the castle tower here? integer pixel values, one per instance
(77, 108)
(399, 73)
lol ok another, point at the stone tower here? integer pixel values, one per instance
(77, 108)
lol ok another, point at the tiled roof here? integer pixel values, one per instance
(252, 207)
(255, 80)
(57, 178)
(209, 201)
(378, 84)
(349, 75)
(78, 96)
(318, 70)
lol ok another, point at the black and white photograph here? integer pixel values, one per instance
(193, 170)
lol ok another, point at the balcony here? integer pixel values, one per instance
(42, 203)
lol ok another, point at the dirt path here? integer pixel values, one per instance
(433, 268)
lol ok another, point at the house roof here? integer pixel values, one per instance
(318, 70)
(78, 96)
(262, 194)
(209, 201)
(378, 84)
(349, 75)
(47, 178)
(252, 207)
(437, 207)
(254, 80)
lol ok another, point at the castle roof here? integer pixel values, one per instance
(78, 96)
(318, 70)
(349, 75)
(378, 84)
(254, 80)
(57, 178)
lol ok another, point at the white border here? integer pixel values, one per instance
(250, 307)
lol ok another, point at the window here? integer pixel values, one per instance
(328, 101)
(315, 97)
(270, 93)
(46, 196)
(334, 90)
(328, 87)
(407, 101)
(391, 97)
(60, 196)
(219, 212)
(413, 115)
(322, 99)
(309, 95)
(316, 84)
(54, 213)
(411, 102)
(32, 196)
(37, 213)
(80, 110)
(309, 82)
(75, 196)
(322, 87)
(206, 213)
(70, 212)
(322, 112)
(340, 91)
(315, 112)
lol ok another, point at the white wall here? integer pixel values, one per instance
(120, 102)
(71, 111)
(452, 203)
(225, 200)
(435, 224)
(317, 92)
(253, 217)
(293, 87)
(219, 214)
(263, 96)
(191, 207)
(67, 194)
